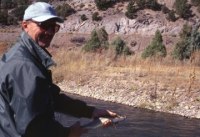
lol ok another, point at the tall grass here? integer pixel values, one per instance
(173, 74)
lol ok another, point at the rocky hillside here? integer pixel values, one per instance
(138, 31)
(115, 21)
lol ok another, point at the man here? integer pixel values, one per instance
(28, 98)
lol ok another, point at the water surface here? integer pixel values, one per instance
(139, 122)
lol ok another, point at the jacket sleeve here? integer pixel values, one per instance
(30, 100)
(68, 105)
(42, 126)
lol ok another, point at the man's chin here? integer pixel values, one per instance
(43, 45)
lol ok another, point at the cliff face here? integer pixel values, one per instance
(115, 21)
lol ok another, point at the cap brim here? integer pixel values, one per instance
(47, 17)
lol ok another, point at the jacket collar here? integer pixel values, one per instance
(40, 54)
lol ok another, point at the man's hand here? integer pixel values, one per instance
(104, 113)
(76, 130)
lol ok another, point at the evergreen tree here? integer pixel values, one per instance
(156, 48)
(104, 4)
(96, 17)
(181, 50)
(182, 8)
(131, 10)
(195, 2)
(64, 10)
(94, 43)
(120, 47)
(171, 16)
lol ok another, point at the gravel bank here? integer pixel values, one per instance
(137, 94)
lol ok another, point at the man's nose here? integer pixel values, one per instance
(50, 31)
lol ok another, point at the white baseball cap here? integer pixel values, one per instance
(41, 11)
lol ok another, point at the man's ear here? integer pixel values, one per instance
(24, 25)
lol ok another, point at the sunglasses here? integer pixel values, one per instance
(47, 25)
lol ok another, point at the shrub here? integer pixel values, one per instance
(3, 17)
(152, 4)
(64, 10)
(83, 17)
(156, 48)
(94, 43)
(102, 34)
(19, 12)
(127, 51)
(96, 17)
(181, 50)
(104, 4)
(140, 3)
(182, 8)
(98, 40)
(165, 9)
(6, 4)
(189, 42)
(171, 16)
(195, 2)
(131, 10)
(120, 47)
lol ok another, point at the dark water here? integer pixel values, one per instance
(139, 123)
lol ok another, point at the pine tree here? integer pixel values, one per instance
(182, 8)
(94, 43)
(189, 43)
(156, 48)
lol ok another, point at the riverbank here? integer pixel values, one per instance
(176, 91)
(141, 99)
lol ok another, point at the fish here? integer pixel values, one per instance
(98, 122)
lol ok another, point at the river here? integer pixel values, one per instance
(139, 122)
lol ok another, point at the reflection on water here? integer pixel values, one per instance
(139, 123)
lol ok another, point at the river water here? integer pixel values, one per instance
(139, 122)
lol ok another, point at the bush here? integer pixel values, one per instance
(182, 8)
(195, 2)
(131, 10)
(152, 4)
(18, 12)
(64, 10)
(188, 44)
(98, 40)
(3, 17)
(120, 47)
(94, 43)
(140, 3)
(96, 17)
(83, 17)
(165, 9)
(6, 4)
(104, 4)
(171, 16)
(156, 48)
(181, 50)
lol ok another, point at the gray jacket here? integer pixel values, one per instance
(28, 98)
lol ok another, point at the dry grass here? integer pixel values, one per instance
(75, 65)
(158, 84)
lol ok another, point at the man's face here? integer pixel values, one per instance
(42, 32)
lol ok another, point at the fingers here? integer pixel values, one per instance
(103, 113)
(107, 123)
(76, 130)
(112, 114)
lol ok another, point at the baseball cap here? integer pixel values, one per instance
(41, 11)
